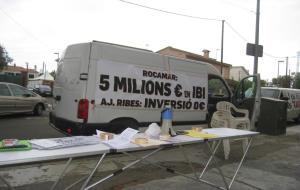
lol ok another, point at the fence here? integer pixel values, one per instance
(19, 79)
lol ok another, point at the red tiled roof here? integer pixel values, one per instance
(18, 69)
(190, 55)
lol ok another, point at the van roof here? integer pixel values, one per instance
(107, 43)
(210, 67)
(149, 51)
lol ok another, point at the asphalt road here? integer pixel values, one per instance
(27, 126)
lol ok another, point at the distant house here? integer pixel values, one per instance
(16, 74)
(224, 67)
(17, 70)
(238, 72)
(45, 79)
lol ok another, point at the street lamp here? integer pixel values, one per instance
(57, 60)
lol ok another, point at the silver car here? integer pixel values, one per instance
(17, 99)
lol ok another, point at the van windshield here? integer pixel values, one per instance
(270, 93)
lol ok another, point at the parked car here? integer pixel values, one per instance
(17, 99)
(43, 90)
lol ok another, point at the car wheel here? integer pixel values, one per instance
(38, 109)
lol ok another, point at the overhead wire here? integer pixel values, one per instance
(23, 28)
(170, 12)
(236, 32)
(210, 19)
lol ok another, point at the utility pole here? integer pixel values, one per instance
(57, 60)
(298, 61)
(222, 44)
(27, 77)
(256, 37)
(286, 73)
(278, 69)
(45, 72)
(297, 69)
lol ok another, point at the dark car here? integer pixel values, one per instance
(43, 90)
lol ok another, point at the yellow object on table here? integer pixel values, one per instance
(197, 129)
(140, 141)
(197, 134)
(106, 136)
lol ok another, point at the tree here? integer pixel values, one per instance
(4, 58)
(53, 73)
(283, 81)
(232, 84)
(263, 83)
(296, 83)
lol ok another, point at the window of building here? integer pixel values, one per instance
(10, 74)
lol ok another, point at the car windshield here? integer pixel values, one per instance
(270, 93)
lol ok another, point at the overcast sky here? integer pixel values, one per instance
(33, 30)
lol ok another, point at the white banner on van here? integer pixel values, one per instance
(129, 85)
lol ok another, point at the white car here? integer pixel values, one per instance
(291, 96)
(17, 99)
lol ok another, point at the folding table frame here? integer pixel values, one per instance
(197, 178)
(129, 151)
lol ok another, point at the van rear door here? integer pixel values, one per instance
(69, 87)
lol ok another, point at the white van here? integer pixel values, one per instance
(292, 96)
(110, 87)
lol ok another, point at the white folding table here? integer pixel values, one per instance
(31, 156)
(21, 157)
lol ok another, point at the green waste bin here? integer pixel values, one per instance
(272, 119)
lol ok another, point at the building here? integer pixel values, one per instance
(44, 79)
(18, 75)
(17, 71)
(224, 68)
(238, 72)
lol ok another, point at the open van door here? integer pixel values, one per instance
(248, 96)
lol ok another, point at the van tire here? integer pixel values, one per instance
(119, 125)
(38, 110)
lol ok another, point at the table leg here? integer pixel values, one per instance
(75, 183)
(241, 162)
(92, 173)
(188, 160)
(6, 183)
(215, 148)
(196, 179)
(62, 173)
(217, 164)
(122, 169)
